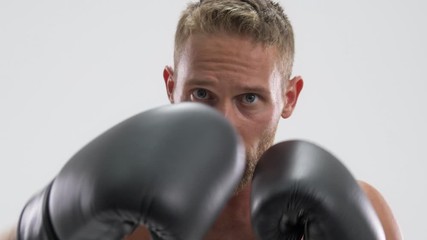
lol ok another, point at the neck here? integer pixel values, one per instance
(239, 204)
(235, 218)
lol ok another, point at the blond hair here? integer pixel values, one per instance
(262, 20)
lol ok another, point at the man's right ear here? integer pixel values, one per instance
(169, 82)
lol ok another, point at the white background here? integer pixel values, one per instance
(71, 69)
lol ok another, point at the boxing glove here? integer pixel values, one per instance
(171, 169)
(301, 190)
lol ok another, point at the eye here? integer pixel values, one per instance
(200, 94)
(249, 98)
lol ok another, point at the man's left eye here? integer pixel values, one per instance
(250, 98)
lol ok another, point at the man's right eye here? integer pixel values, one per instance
(200, 94)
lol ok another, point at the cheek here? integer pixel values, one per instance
(255, 129)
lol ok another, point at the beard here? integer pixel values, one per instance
(252, 157)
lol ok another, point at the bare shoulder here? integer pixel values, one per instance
(385, 214)
(8, 234)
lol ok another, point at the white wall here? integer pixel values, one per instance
(71, 69)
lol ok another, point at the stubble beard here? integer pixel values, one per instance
(252, 158)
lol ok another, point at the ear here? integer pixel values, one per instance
(293, 89)
(169, 82)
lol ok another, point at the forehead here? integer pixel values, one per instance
(227, 56)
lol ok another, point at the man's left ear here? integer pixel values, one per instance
(293, 89)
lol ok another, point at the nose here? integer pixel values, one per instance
(228, 110)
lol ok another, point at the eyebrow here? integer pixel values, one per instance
(243, 88)
(254, 89)
(201, 82)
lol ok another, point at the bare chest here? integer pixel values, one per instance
(231, 230)
(230, 235)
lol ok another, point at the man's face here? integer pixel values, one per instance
(239, 78)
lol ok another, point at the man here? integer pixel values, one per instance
(237, 56)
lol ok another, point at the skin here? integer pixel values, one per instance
(242, 80)
(391, 229)
(9, 234)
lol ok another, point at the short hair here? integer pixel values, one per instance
(262, 20)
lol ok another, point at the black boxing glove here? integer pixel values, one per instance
(299, 189)
(172, 169)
